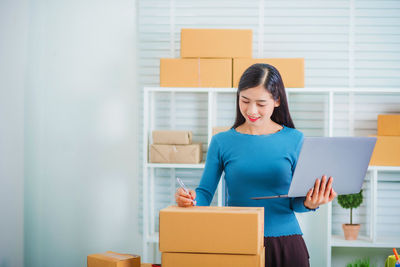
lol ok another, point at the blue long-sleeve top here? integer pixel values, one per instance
(256, 165)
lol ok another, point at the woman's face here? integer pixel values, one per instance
(257, 105)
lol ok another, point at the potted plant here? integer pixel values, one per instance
(351, 202)
(360, 263)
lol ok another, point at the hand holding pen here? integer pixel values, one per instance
(183, 196)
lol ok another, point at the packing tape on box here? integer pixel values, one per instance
(199, 72)
(117, 256)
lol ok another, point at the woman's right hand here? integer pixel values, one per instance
(183, 199)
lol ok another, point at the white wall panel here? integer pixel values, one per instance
(388, 221)
(377, 40)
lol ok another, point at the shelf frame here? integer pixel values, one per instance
(150, 235)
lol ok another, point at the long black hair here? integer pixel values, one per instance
(269, 77)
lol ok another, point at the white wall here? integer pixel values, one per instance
(80, 124)
(13, 36)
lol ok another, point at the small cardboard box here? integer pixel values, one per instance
(212, 260)
(113, 259)
(219, 129)
(226, 230)
(172, 137)
(178, 72)
(216, 43)
(386, 151)
(291, 69)
(189, 154)
(389, 125)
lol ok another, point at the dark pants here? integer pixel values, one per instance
(285, 251)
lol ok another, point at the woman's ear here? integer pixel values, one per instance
(277, 103)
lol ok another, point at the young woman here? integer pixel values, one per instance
(258, 155)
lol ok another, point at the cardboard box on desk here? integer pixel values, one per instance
(189, 154)
(389, 125)
(386, 151)
(178, 72)
(216, 43)
(113, 259)
(172, 137)
(291, 69)
(212, 260)
(226, 230)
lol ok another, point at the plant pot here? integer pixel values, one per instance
(351, 231)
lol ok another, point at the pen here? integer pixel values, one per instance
(395, 254)
(184, 188)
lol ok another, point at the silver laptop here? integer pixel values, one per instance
(346, 159)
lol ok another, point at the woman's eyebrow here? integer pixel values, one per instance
(259, 100)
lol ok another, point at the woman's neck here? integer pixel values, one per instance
(270, 128)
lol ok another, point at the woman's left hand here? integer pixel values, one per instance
(321, 193)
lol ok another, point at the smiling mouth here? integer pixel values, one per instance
(252, 118)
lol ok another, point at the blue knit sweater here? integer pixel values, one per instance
(256, 165)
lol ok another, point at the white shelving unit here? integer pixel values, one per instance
(372, 240)
(150, 235)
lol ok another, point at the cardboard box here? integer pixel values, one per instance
(219, 129)
(212, 260)
(291, 69)
(389, 124)
(216, 43)
(172, 137)
(146, 265)
(386, 151)
(178, 72)
(113, 259)
(190, 154)
(226, 230)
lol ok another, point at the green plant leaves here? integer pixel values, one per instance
(360, 263)
(351, 201)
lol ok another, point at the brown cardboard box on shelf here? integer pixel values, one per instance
(219, 129)
(386, 151)
(146, 265)
(291, 69)
(216, 43)
(179, 72)
(212, 260)
(209, 230)
(389, 125)
(172, 137)
(113, 259)
(189, 154)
